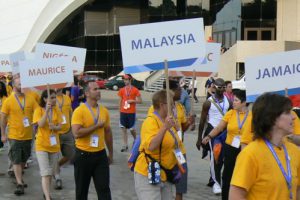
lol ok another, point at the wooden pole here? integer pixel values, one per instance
(193, 89)
(168, 87)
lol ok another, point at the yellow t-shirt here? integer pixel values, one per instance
(257, 171)
(42, 142)
(16, 116)
(82, 116)
(34, 95)
(9, 90)
(248, 135)
(180, 116)
(232, 124)
(149, 130)
(296, 123)
(64, 104)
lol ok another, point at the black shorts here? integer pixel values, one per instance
(127, 120)
(19, 151)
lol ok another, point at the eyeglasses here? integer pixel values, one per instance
(220, 87)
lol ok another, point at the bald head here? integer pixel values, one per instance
(219, 82)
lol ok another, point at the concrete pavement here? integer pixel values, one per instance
(122, 184)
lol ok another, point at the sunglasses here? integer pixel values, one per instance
(220, 87)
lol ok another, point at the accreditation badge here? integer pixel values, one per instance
(126, 105)
(179, 132)
(64, 120)
(179, 156)
(53, 141)
(94, 142)
(26, 122)
(236, 142)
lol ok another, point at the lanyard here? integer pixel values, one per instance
(240, 125)
(21, 106)
(93, 114)
(171, 131)
(49, 117)
(288, 176)
(60, 105)
(217, 101)
(128, 92)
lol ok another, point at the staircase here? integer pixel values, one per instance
(155, 81)
(157, 84)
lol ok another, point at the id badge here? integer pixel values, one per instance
(236, 142)
(179, 156)
(179, 134)
(26, 122)
(126, 105)
(94, 141)
(53, 141)
(64, 120)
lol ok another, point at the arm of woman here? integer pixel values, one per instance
(216, 131)
(237, 193)
(42, 122)
(156, 141)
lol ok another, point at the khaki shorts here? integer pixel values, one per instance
(47, 162)
(19, 151)
(67, 145)
(147, 191)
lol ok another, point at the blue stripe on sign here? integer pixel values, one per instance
(294, 91)
(159, 66)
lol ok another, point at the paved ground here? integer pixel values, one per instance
(122, 184)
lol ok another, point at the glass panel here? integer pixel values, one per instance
(266, 35)
(101, 58)
(251, 35)
(155, 7)
(169, 8)
(90, 43)
(90, 58)
(102, 43)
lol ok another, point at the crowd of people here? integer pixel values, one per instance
(252, 152)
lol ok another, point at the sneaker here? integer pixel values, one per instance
(29, 160)
(19, 190)
(24, 184)
(124, 149)
(58, 184)
(217, 189)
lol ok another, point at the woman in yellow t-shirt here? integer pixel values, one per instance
(233, 121)
(48, 118)
(269, 167)
(3, 96)
(159, 140)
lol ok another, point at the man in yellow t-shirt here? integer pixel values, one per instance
(91, 129)
(66, 138)
(17, 111)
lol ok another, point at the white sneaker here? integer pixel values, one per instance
(217, 189)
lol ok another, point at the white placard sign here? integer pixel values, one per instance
(208, 64)
(55, 72)
(15, 59)
(273, 73)
(5, 65)
(51, 51)
(145, 47)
